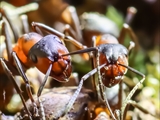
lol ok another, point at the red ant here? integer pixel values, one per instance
(32, 49)
(110, 61)
(111, 65)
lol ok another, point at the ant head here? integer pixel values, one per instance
(49, 50)
(112, 55)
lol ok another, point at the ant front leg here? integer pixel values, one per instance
(11, 77)
(28, 88)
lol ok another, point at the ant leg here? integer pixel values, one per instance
(41, 109)
(117, 114)
(20, 70)
(131, 11)
(24, 19)
(131, 46)
(127, 29)
(76, 93)
(46, 28)
(76, 23)
(44, 81)
(93, 60)
(101, 87)
(11, 77)
(42, 114)
(57, 33)
(136, 105)
(69, 31)
(133, 90)
(15, 33)
(7, 40)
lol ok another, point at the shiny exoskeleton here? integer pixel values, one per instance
(34, 50)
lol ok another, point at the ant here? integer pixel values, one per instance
(44, 52)
(110, 62)
(111, 65)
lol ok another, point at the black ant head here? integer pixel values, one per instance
(113, 52)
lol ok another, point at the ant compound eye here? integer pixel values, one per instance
(55, 58)
(33, 58)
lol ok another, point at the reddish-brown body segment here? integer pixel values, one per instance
(111, 71)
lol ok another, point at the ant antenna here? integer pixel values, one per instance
(81, 51)
(133, 90)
